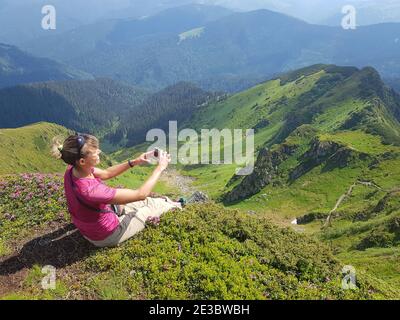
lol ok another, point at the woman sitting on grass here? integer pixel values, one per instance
(89, 199)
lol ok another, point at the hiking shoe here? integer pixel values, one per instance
(183, 201)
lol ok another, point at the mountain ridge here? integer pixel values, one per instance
(18, 67)
(83, 105)
(255, 44)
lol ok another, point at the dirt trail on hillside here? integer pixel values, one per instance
(184, 184)
(347, 194)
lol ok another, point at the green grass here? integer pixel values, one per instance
(27, 149)
(244, 110)
(194, 33)
(319, 189)
(383, 263)
(360, 142)
(32, 288)
(337, 113)
(211, 253)
(210, 178)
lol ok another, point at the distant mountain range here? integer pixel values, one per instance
(367, 12)
(18, 67)
(206, 45)
(88, 38)
(322, 11)
(21, 19)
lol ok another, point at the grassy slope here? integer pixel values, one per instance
(247, 258)
(243, 111)
(27, 149)
(202, 252)
(319, 189)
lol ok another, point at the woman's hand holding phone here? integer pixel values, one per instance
(163, 160)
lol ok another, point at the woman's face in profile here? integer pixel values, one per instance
(93, 157)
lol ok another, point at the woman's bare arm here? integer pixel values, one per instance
(124, 196)
(118, 169)
(109, 173)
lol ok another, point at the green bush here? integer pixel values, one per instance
(376, 238)
(209, 252)
(29, 200)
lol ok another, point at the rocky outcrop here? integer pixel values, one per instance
(319, 152)
(265, 171)
(331, 154)
(328, 153)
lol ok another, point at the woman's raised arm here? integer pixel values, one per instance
(124, 196)
(118, 169)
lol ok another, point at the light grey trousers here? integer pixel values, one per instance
(134, 219)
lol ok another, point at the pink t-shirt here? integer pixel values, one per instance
(93, 225)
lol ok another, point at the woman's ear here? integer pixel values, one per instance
(82, 162)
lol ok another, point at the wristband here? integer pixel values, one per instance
(131, 164)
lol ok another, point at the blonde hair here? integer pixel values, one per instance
(68, 150)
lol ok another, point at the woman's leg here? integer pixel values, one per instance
(138, 212)
(135, 218)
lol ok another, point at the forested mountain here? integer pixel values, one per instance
(18, 67)
(94, 106)
(175, 103)
(119, 113)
